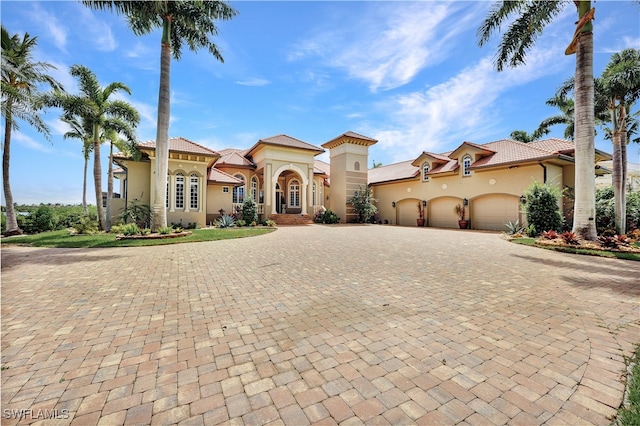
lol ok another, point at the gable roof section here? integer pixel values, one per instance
(482, 148)
(321, 168)
(392, 172)
(218, 176)
(435, 158)
(234, 158)
(508, 151)
(180, 144)
(285, 141)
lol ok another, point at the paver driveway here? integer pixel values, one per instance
(317, 324)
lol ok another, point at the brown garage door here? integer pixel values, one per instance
(441, 213)
(494, 211)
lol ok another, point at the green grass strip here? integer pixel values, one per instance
(63, 239)
(584, 251)
(629, 413)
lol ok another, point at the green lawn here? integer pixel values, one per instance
(63, 239)
(629, 413)
(575, 250)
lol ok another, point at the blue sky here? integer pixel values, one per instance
(409, 74)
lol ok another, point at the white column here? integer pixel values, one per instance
(172, 191)
(187, 193)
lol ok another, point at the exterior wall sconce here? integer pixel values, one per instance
(393, 204)
(523, 199)
(465, 201)
(424, 203)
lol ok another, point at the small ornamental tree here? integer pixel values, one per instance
(249, 210)
(362, 203)
(542, 209)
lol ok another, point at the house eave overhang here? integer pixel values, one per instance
(559, 158)
(261, 143)
(384, 182)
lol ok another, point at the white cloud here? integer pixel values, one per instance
(465, 107)
(254, 82)
(30, 143)
(96, 30)
(390, 45)
(57, 32)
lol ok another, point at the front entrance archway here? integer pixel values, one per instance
(280, 193)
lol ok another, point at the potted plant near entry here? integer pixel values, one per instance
(420, 219)
(460, 210)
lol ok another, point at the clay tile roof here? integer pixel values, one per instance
(219, 176)
(234, 157)
(181, 144)
(450, 166)
(391, 172)
(320, 167)
(288, 141)
(508, 151)
(554, 145)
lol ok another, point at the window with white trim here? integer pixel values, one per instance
(179, 191)
(315, 195)
(294, 193)
(254, 188)
(238, 191)
(425, 172)
(194, 191)
(168, 192)
(466, 164)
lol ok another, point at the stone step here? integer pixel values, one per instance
(291, 219)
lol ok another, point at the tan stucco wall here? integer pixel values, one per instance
(216, 200)
(138, 181)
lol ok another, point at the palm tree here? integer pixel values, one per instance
(20, 101)
(102, 116)
(523, 136)
(620, 83)
(530, 19)
(566, 116)
(80, 130)
(190, 22)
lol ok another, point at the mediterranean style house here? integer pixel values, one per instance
(290, 185)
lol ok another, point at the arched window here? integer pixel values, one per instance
(194, 191)
(179, 191)
(425, 172)
(254, 188)
(466, 163)
(238, 191)
(294, 193)
(356, 165)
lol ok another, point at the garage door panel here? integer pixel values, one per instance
(407, 212)
(441, 213)
(493, 212)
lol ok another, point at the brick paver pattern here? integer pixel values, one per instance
(317, 325)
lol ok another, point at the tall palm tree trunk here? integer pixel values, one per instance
(584, 216)
(109, 188)
(12, 221)
(159, 216)
(84, 186)
(616, 180)
(97, 177)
